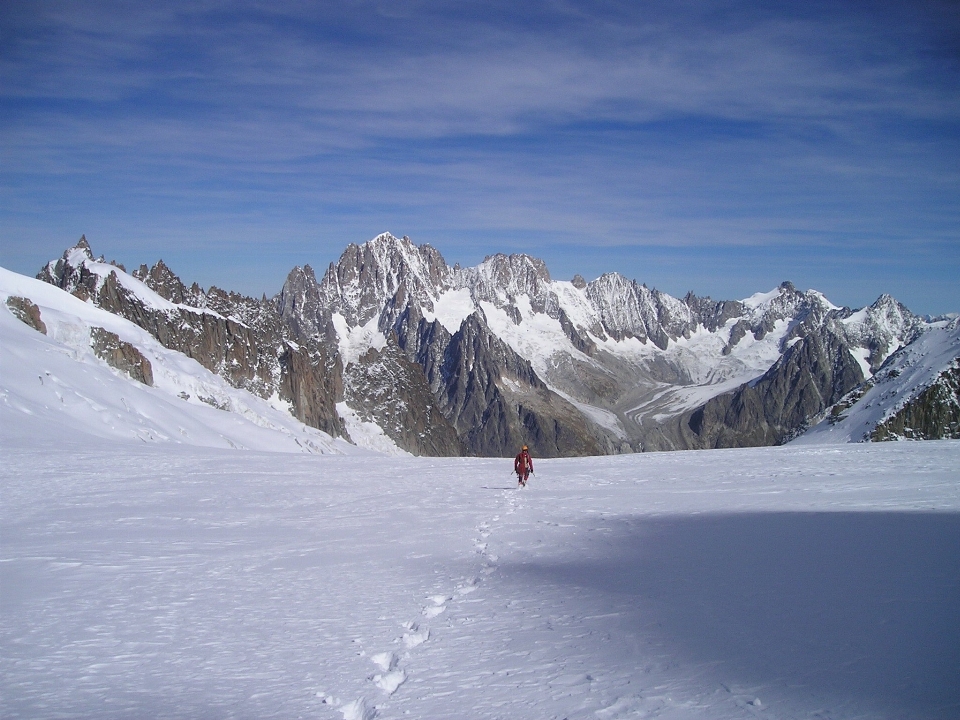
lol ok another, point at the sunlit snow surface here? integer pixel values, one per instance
(157, 562)
(187, 582)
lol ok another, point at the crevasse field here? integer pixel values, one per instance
(167, 581)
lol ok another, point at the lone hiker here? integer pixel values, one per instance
(523, 466)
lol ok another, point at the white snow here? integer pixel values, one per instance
(151, 299)
(760, 299)
(177, 581)
(452, 308)
(603, 418)
(355, 341)
(862, 356)
(367, 434)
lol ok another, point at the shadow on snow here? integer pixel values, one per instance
(858, 609)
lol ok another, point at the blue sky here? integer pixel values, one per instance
(715, 147)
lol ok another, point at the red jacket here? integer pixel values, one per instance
(523, 461)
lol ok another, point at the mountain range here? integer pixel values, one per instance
(476, 361)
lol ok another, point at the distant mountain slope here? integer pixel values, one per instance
(450, 360)
(85, 370)
(914, 395)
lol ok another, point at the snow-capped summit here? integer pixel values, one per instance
(385, 270)
(477, 360)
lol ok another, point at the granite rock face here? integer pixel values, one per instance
(812, 375)
(239, 338)
(121, 355)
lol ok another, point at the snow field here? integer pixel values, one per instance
(175, 581)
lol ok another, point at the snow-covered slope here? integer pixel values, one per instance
(907, 373)
(56, 380)
(169, 581)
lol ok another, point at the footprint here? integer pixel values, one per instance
(386, 661)
(389, 682)
(438, 605)
(416, 636)
(466, 589)
(358, 710)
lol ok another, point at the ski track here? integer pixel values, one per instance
(204, 583)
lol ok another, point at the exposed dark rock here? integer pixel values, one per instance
(298, 302)
(163, 281)
(241, 340)
(581, 341)
(810, 376)
(392, 391)
(713, 314)
(311, 381)
(27, 312)
(497, 402)
(737, 333)
(934, 414)
(121, 355)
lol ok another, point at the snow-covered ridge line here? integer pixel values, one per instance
(894, 386)
(56, 377)
(694, 348)
(79, 260)
(452, 360)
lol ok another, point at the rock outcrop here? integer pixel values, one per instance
(121, 355)
(812, 375)
(933, 415)
(239, 338)
(26, 312)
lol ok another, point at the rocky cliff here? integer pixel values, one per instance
(242, 339)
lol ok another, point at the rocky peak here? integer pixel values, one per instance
(674, 317)
(617, 301)
(298, 302)
(880, 328)
(713, 314)
(69, 272)
(502, 279)
(163, 281)
(382, 276)
(887, 309)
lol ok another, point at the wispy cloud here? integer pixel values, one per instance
(623, 125)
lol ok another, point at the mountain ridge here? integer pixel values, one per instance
(477, 360)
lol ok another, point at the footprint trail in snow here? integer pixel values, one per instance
(393, 667)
